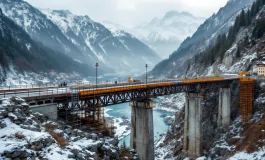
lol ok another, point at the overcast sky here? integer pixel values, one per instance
(131, 12)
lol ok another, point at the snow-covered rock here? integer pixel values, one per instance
(34, 136)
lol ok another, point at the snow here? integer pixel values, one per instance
(249, 156)
(77, 61)
(15, 79)
(247, 58)
(28, 46)
(116, 29)
(172, 103)
(11, 129)
(10, 142)
(163, 152)
(78, 24)
(98, 55)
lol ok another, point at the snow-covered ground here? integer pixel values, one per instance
(249, 156)
(15, 78)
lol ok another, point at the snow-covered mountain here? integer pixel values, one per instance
(18, 52)
(203, 38)
(116, 49)
(39, 27)
(81, 38)
(165, 34)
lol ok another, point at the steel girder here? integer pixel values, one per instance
(91, 102)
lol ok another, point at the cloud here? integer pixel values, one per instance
(127, 5)
(131, 12)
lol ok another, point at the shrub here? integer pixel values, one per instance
(59, 139)
(19, 135)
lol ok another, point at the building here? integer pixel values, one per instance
(261, 68)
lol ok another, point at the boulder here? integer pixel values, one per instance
(2, 124)
(94, 136)
(68, 131)
(169, 120)
(100, 135)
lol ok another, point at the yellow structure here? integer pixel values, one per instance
(261, 68)
(244, 73)
(130, 80)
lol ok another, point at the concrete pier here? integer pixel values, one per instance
(142, 130)
(192, 125)
(49, 110)
(224, 108)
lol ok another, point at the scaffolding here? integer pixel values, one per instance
(70, 118)
(93, 118)
(246, 98)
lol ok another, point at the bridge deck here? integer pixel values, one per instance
(93, 90)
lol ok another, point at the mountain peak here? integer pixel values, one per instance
(173, 13)
(64, 11)
(154, 21)
(184, 13)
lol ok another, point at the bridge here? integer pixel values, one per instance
(89, 98)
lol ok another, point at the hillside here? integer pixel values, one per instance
(237, 49)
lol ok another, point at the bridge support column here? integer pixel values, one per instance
(192, 125)
(142, 131)
(224, 107)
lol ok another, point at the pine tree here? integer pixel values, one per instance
(238, 52)
(246, 40)
(242, 19)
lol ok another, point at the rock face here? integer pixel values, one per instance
(33, 135)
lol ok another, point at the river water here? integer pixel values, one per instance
(120, 110)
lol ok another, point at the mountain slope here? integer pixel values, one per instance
(166, 34)
(18, 51)
(238, 49)
(204, 37)
(39, 27)
(122, 52)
